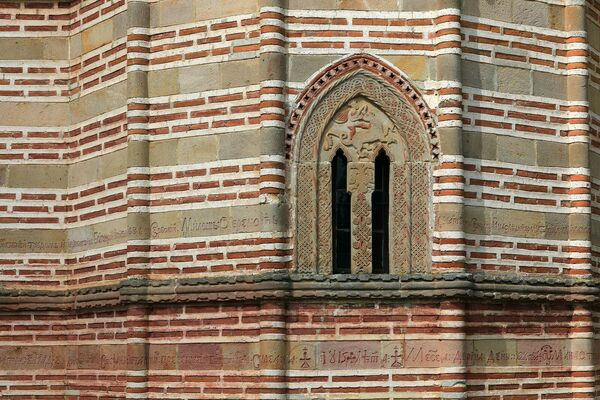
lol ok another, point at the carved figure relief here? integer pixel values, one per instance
(360, 116)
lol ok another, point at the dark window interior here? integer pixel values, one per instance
(381, 207)
(340, 215)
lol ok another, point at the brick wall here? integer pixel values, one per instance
(144, 202)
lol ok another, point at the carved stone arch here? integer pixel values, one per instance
(384, 110)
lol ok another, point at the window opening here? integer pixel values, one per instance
(380, 215)
(340, 215)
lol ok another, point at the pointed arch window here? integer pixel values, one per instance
(340, 214)
(380, 215)
(359, 209)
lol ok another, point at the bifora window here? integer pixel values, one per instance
(363, 162)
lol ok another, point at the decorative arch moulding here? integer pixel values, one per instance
(361, 106)
(371, 65)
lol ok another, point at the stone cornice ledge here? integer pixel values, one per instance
(282, 286)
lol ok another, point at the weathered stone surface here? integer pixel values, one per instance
(197, 149)
(98, 102)
(98, 35)
(552, 154)
(210, 9)
(302, 67)
(163, 82)
(513, 80)
(50, 48)
(36, 176)
(34, 114)
(533, 13)
(479, 145)
(516, 150)
(241, 144)
(415, 67)
(549, 85)
(383, 5)
(478, 75)
(500, 10)
(172, 12)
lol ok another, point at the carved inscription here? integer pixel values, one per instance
(308, 355)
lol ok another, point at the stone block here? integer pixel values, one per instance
(478, 75)
(520, 223)
(448, 217)
(240, 144)
(414, 67)
(595, 164)
(513, 80)
(447, 67)
(312, 4)
(556, 226)
(84, 171)
(574, 17)
(56, 48)
(577, 87)
(595, 232)
(97, 235)
(451, 140)
(137, 84)
(273, 66)
(551, 154)
(579, 155)
(420, 5)
(36, 176)
(197, 149)
(34, 114)
(557, 17)
(173, 12)
(594, 99)
(163, 153)
(101, 167)
(368, 5)
(98, 102)
(272, 141)
(500, 10)
(138, 14)
(549, 85)
(211, 9)
(240, 73)
(579, 227)
(50, 48)
(112, 164)
(120, 25)
(32, 241)
(75, 45)
(475, 220)
(302, 67)
(532, 13)
(593, 35)
(164, 82)
(192, 79)
(138, 153)
(96, 36)
(516, 150)
(479, 145)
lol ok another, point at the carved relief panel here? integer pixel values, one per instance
(362, 125)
